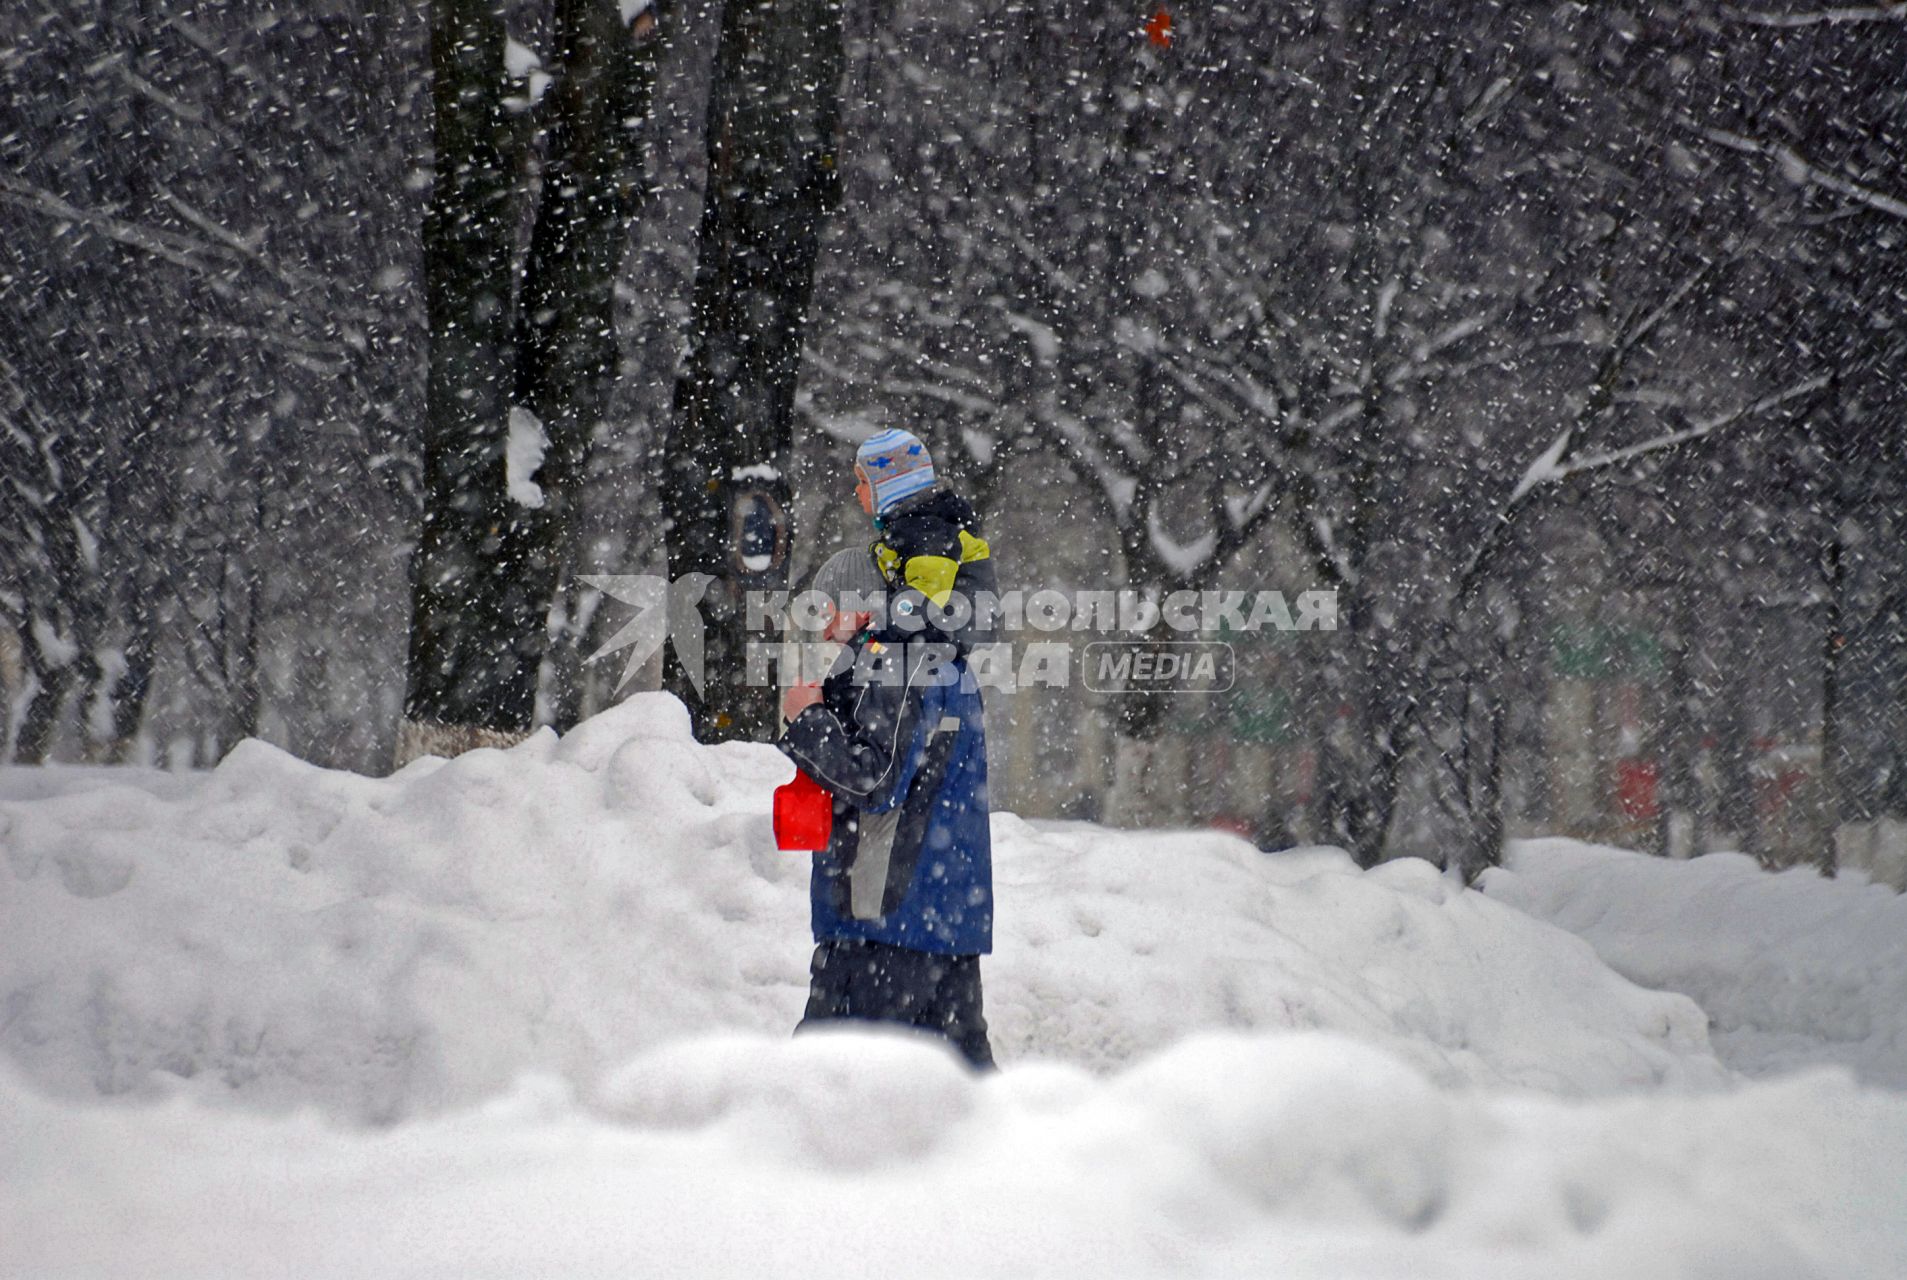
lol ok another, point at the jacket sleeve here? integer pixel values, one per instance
(866, 758)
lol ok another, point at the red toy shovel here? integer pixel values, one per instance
(804, 815)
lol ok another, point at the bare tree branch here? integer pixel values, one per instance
(1793, 162)
(211, 259)
(183, 110)
(197, 37)
(177, 250)
(1893, 12)
(1669, 440)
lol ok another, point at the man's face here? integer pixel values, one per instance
(863, 489)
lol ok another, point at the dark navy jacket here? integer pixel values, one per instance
(899, 741)
(932, 549)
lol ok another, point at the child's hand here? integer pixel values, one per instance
(799, 698)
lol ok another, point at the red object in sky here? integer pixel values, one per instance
(1158, 27)
(804, 815)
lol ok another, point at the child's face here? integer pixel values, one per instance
(863, 489)
(841, 627)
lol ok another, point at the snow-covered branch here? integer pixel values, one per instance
(1321, 535)
(1676, 296)
(1556, 464)
(1183, 558)
(324, 358)
(1194, 386)
(183, 110)
(1452, 334)
(1245, 513)
(1894, 12)
(1669, 440)
(210, 254)
(1799, 167)
(199, 39)
(1544, 468)
(1116, 490)
(177, 250)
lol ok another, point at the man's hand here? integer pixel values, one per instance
(799, 698)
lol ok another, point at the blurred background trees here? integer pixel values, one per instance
(1565, 342)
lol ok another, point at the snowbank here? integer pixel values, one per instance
(858, 1154)
(558, 981)
(1793, 969)
(285, 935)
(1118, 943)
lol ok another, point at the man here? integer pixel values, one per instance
(901, 901)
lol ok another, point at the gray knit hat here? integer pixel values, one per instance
(850, 572)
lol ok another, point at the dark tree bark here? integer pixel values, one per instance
(40, 718)
(566, 353)
(1833, 640)
(473, 643)
(1484, 827)
(1735, 807)
(1676, 790)
(239, 603)
(490, 564)
(1361, 760)
(58, 611)
(135, 683)
(1485, 728)
(1892, 801)
(773, 117)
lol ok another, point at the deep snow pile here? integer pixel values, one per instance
(383, 947)
(859, 1155)
(563, 977)
(1116, 943)
(1794, 969)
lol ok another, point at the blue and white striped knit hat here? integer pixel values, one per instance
(897, 464)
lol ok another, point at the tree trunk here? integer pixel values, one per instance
(772, 125)
(566, 349)
(1735, 810)
(244, 691)
(1893, 794)
(1361, 750)
(1833, 639)
(39, 720)
(1677, 801)
(475, 637)
(494, 554)
(1375, 800)
(1483, 803)
(1485, 721)
(1834, 440)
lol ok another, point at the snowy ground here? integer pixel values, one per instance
(526, 1012)
(1793, 969)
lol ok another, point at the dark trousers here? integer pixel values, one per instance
(879, 982)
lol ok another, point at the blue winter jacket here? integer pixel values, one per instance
(899, 740)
